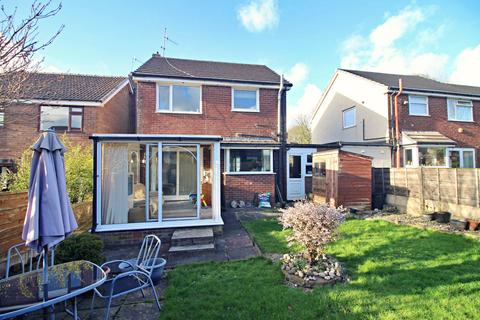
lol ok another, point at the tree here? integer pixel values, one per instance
(19, 47)
(301, 132)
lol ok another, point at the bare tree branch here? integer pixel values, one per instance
(19, 45)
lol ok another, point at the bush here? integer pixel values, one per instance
(85, 246)
(78, 171)
(313, 226)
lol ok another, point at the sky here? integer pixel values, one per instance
(304, 40)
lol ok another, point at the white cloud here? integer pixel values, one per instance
(304, 105)
(467, 67)
(381, 51)
(259, 15)
(51, 68)
(297, 73)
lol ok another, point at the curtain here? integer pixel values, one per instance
(115, 184)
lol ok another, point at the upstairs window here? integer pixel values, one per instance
(249, 160)
(245, 100)
(349, 116)
(418, 105)
(181, 99)
(61, 118)
(460, 110)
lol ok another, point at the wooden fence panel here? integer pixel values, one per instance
(446, 185)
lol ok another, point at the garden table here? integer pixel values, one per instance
(23, 293)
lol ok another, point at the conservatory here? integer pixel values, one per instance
(155, 181)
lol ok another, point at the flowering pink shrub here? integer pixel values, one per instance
(313, 225)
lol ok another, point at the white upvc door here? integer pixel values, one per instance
(461, 158)
(295, 177)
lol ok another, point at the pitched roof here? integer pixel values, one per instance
(208, 70)
(428, 137)
(416, 83)
(70, 87)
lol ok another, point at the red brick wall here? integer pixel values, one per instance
(216, 118)
(244, 187)
(438, 121)
(22, 123)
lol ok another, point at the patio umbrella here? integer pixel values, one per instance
(49, 217)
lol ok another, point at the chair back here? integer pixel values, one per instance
(28, 259)
(148, 253)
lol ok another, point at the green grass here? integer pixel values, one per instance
(269, 236)
(398, 272)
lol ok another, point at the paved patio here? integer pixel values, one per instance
(233, 244)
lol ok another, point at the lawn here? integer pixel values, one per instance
(397, 272)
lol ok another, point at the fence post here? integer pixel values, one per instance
(438, 184)
(422, 196)
(476, 188)
(456, 185)
(406, 179)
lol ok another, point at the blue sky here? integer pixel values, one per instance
(305, 40)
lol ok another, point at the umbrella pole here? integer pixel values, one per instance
(51, 314)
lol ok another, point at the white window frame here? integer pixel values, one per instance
(416, 160)
(257, 109)
(461, 151)
(414, 157)
(170, 98)
(354, 109)
(306, 164)
(454, 102)
(227, 162)
(2, 119)
(427, 109)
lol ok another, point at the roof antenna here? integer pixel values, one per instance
(165, 40)
(135, 60)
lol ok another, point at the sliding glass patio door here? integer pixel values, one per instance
(180, 178)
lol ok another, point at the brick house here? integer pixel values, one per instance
(416, 121)
(78, 105)
(203, 129)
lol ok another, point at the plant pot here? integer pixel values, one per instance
(442, 216)
(157, 266)
(473, 224)
(458, 224)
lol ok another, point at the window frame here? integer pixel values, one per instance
(257, 106)
(308, 164)
(70, 114)
(2, 119)
(427, 108)
(227, 162)
(354, 109)
(461, 151)
(455, 104)
(170, 98)
(417, 156)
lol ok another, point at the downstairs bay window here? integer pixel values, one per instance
(439, 156)
(249, 161)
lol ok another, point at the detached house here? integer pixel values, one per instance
(206, 133)
(77, 105)
(400, 120)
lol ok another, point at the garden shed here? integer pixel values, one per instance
(342, 178)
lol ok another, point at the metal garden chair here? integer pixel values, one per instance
(138, 278)
(29, 259)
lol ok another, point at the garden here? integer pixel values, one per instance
(394, 272)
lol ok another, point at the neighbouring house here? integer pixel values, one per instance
(437, 123)
(206, 134)
(77, 105)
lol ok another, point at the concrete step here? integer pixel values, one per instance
(192, 248)
(192, 236)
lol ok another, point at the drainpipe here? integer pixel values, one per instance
(397, 124)
(281, 131)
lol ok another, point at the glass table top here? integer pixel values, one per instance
(64, 280)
